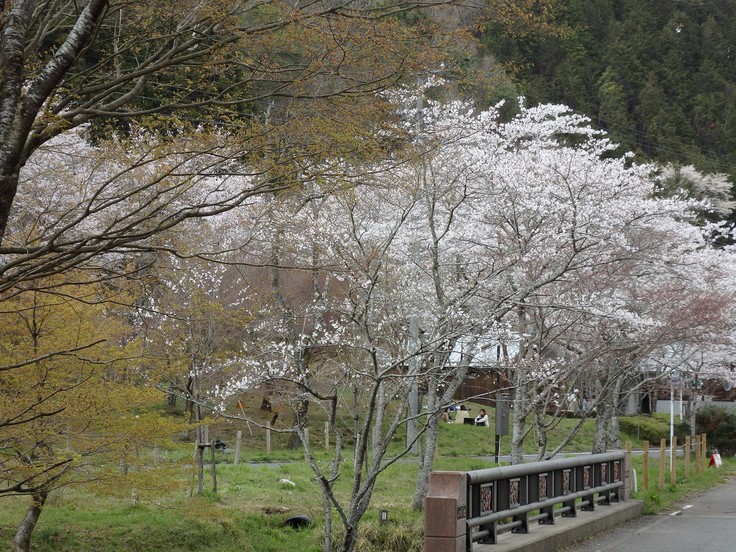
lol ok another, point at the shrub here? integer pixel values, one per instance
(720, 427)
(653, 428)
(646, 428)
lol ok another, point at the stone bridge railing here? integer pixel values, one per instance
(463, 508)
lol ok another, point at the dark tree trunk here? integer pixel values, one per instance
(22, 540)
(22, 96)
(8, 187)
(302, 418)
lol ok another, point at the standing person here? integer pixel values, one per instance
(482, 418)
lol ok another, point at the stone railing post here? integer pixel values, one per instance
(445, 512)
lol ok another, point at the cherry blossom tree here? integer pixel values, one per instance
(527, 232)
(585, 242)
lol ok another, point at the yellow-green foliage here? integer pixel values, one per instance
(73, 399)
(646, 428)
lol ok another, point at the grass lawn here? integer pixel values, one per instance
(248, 512)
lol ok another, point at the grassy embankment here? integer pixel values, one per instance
(248, 512)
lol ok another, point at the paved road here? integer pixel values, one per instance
(706, 523)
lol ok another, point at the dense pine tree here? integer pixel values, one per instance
(660, 77)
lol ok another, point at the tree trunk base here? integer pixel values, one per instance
(22, 540)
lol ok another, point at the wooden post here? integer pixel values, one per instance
(673, 461)
(327, 435)
(687, 457)
(268, 436)
(628, 485)
(194, 469)
(238, 443)
(662, 458)
(645, 469)
(704, 453)
(200, 460)
(214, 467)
(698, 464)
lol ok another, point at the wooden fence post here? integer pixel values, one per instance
(698, 464)
(268, 436)
(645, 469)
(628, 484)
(687, 456)
(673, 461)
(238, 443)
(662, 458)
(704, 454)
(214, 467)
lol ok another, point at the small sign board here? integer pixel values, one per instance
(502, 414)
(715, 460)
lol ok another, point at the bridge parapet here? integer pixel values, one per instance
(463, 508)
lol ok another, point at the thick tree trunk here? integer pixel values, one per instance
(604, 413)
(614, 434)
(606, 424)
(8, 187)
(427, 461)
(431, 436)
(518, 429)
(540, 431)
(22, 540)
(21, 97)
(350, 539)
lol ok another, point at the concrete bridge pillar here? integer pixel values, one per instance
(445, 512)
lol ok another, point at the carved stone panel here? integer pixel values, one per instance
(514, 492)
(486, 498)
(543, 478)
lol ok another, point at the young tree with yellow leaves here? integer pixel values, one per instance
(72, 399)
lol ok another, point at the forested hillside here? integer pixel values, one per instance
(659, 75)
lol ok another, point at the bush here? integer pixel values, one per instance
(653, 428)
(720, 427)
(646, 428)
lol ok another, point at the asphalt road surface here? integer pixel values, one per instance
(705, 523)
